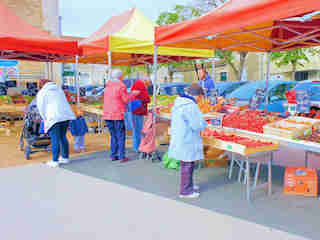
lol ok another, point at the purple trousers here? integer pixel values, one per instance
(186, 183)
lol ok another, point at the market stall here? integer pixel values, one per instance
(257, 26)
(128, 40)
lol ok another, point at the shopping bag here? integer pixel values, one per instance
(170, 163)
(135, 104)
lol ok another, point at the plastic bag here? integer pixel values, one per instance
(170, 163)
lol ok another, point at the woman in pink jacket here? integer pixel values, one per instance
(116, 98)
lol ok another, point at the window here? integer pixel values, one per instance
(223, 76)
(300, 76)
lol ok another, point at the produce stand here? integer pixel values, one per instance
(247, 148)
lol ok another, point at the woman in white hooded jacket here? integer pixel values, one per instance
(56, 114)
(187, 122)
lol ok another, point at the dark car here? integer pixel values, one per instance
(276, 94)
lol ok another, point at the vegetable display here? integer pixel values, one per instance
(249, 143)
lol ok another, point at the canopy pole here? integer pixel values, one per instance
(155, 75)
(77, 80)
(47, 70)
(109, 64)
(268, 78)
(51, 72)
(213, 68)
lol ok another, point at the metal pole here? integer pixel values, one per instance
(77, 80)
(155, 67)
(213, 68)
(268, 78)
(262, 66)
(51, 67)
(47, 70)
(110, 64)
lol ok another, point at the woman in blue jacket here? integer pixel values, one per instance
(186, 143)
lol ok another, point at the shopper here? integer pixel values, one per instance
(186, 143)
(116, 99)
(56, 114)
(140, 104)
(79, 129)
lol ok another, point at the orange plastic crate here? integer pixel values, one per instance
(301, 181)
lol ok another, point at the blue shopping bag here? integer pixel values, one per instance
(135, 104)
(41, 127)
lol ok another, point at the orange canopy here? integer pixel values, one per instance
(22, 41)
(247, 25)
(130, 38)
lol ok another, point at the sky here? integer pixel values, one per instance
(83, 17)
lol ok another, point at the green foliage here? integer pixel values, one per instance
(297, 57)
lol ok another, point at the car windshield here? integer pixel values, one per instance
(246, 91)
(233, 87)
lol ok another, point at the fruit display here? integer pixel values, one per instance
(230, 137)
(313, 137)
(250, 120)
(206, 107)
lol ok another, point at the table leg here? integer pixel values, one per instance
(231, 165)
(270, 174)
(248, 180)
(257, 174)
(306, 158)
(240, 171)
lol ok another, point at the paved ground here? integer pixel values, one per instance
(93, 198)
(297, 215)
(44, 203)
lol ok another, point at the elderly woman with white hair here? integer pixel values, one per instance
(116, 98)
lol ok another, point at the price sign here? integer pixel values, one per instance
(257, 99)
(303, 102)
(213, 96)
(216, 120)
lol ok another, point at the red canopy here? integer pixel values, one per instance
(20, 40)
(247, 25)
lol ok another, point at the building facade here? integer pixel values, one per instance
(44, 15)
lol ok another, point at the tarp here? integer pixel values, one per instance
(247, 25)
(130, 38)
(20, 40)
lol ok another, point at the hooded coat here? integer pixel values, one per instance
(143, 96)
(187, 122)
(53, 106)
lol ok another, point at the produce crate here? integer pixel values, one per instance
(238, 148)
(305, 121)
(92, 109)
(301, 181)
(292, 130)
(214, 157)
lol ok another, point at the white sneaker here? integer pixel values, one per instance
(64, 160)
(196, 187)
(52, 164)
(192, 195)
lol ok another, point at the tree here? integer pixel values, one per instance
(203, 7)
(295, 58)
(178, 14)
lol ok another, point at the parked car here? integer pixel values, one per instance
(276, 94)
(173, 88)
(312, 87)
(225, 88)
